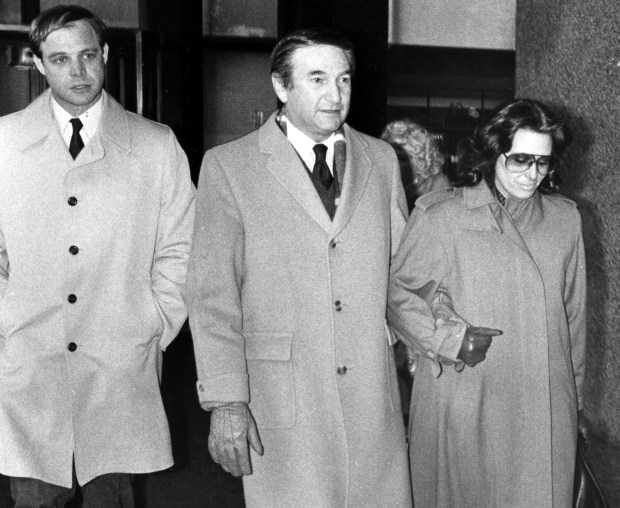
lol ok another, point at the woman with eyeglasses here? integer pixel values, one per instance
(499, 427)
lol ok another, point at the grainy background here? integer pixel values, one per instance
(568, 54)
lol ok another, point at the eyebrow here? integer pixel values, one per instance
(64, 53)
(319, 72)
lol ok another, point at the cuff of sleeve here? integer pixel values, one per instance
(450, 335)
(223, 389)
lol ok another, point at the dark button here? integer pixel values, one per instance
(342, 370)
(72, 298)
(338, 305)
(72, 201)
(72, 346)
(333, 244)
(74, 250)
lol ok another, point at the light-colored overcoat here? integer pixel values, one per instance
(126, 203)
(501, 434)
(287, 311)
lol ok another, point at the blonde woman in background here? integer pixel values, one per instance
(421, 170)
(420, 158)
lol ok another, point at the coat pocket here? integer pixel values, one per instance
(270, 373)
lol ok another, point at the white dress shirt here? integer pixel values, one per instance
(304, 146)
(90, 121)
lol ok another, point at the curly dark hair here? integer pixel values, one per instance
(477, 155)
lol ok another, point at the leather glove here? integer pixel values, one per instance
(476, 343)
(233, 431)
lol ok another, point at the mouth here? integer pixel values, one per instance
(80, 88)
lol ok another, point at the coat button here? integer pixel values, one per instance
(333, 244)
(74, 250)
(72, 346)
(72, 298)
(338, 305)
(72, 201)
(342, 370)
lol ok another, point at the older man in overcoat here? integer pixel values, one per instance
(95, 231)
(287, 294)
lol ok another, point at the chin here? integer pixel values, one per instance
(524, 195)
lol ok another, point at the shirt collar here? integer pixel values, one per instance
(90, 120)
(304, 145)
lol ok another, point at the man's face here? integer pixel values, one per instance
(317, 101)
(74, 66)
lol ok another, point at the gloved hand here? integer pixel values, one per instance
(233, 431)
(476, 343)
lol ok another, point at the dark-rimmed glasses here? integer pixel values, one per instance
(521, 162)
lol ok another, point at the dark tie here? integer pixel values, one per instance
(76, 145)
(321, 170)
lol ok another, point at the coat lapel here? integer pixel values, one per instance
(286, 167)
(113, 128)
(357, 171)
(486, 213)
(42, 139)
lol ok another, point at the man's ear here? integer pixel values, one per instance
(105, 53)
(279, 87)
(39, 64)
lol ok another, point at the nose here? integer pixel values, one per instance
(532, 172)
(77, 68)
(333, 93)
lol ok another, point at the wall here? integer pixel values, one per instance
(484, 24)
(237, 90)
(10, 12)
(116, 13)
(568, 54)
(15, 85)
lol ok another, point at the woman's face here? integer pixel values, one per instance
(523, 185)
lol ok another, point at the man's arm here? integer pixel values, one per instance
(214, 284)
(4, 265)
(214, 287)
(398, 205)
(174, 234)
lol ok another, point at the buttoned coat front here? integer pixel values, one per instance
(503, 433)
(93, 253)
(287, 311)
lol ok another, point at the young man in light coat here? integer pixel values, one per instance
(95, 230)
(287, 294)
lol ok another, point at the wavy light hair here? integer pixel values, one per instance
(417, 144)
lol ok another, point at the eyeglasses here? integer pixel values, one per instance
(521, 162)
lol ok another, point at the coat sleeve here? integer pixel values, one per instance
(398, 205)
(174, 233)
(4, 264)
(214, 286)
(419, 269)
(575, 303)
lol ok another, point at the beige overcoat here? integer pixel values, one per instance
(501, 434)
(82, 378)
(287, 311)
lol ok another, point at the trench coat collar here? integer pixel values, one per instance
(283, 159)
(481, 195)
(40, 132)
(486, 213)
